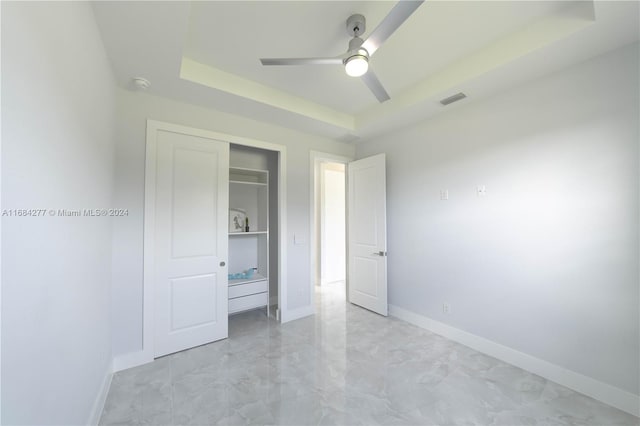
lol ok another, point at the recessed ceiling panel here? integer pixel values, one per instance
(232, 36)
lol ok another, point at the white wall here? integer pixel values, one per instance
(57, 152)
(134, 109)
(547, 262)
(333, 217)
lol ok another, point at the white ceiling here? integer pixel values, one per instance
(233, 37)
(207, 53)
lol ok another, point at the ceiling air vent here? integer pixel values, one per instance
(348, 138)
(452, 99)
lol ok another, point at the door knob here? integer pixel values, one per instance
(380, 253)
(222, 264)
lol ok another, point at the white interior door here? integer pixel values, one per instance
(191, 246)
(367, 225)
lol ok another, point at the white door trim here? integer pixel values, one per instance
(315, 159)
(153, 127)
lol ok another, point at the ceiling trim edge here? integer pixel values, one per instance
(209, 76)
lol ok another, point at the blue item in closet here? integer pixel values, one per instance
(242, 275)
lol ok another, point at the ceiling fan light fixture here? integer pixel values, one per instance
(356, 65)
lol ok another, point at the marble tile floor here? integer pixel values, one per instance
(344, 366)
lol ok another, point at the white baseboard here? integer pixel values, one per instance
(295, 314)
(101, 398)
(601, 391)
(130, 360)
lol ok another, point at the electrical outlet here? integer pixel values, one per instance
(482, 191)
(444, 194)
(446, 308)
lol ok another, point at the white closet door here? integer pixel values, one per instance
(191, 244)
(367, 205)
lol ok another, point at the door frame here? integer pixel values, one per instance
(316, 158)
(153, 127)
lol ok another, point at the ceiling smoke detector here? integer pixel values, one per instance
(141, 83)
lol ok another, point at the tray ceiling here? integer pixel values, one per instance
(207, 53)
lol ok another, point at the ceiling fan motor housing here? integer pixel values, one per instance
(355, 43)
(356, 62)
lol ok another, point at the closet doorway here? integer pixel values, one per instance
(187, 292)
(253, 240)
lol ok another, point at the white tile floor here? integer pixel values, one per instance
(344, 366)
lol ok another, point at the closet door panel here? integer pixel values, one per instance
(191, 241)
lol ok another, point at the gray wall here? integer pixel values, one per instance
(57, 153)
(547, 262)
(134, 109)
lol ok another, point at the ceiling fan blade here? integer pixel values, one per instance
(400, 12)
(301, 61)
(375, 86)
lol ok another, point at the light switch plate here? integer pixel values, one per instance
(299, 239)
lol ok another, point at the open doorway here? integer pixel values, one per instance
(332, 247)
(329, 230)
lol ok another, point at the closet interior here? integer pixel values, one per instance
(253, 230)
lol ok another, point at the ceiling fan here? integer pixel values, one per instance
(356, 59)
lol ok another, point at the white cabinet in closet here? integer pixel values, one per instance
(248, 248)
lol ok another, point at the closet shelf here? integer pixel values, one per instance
(242, 182)
(255, 278)
(248, 233)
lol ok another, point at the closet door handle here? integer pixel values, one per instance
(380, 253)
(222, 263)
